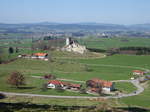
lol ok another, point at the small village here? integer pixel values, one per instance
(94, 86)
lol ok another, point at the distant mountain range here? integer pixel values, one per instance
(46, 26)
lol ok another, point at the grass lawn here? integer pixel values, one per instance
(110, 68)
(106, 43)
(125, 87)
(15, 42)
(132, 61)
(34, 86)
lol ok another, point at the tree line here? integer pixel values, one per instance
(129, 50)
(123, 50)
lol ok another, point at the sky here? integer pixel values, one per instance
(75, 11)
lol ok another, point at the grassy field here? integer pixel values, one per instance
(16, 42)
(130, 61)
(142, 100)
(61, 68)
(125, 87)
(114, 67)
(106, 43)
(90, 42)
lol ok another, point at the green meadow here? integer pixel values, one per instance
(90, 42)
(107, 43)
(77, 67)
(142, 100)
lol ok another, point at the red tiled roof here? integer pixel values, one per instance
(102, 82)
(71, 85)
(55, 82)
(75, 85)
(40, 54)
(138, 71)
(66, 83)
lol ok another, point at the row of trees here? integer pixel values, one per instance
(129, 50)
(124, 50)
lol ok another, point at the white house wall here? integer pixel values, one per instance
(51, 86)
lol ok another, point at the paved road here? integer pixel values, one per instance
(136, 83)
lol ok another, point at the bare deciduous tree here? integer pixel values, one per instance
(16, 79)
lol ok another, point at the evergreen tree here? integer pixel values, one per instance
(11, 50)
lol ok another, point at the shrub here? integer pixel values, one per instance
(50, 76)
(2, 96)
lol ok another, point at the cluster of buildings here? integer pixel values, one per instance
(93, 86)
(141, 75)
(96, 85)
(138, 72)
(41, 56)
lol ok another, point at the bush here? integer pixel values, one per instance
(11, 50)
(50, 76)
(2, 96)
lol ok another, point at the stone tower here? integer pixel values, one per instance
(67, 41)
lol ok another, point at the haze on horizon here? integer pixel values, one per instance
(75, 11)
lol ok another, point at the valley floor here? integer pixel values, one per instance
(117, 67)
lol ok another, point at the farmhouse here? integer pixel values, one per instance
(67, 85)
(64, 85)
(42, 56)
(106, 86)
(75, 86)
(24, 56)
(54, 84)
(39, 55)
(137, 72)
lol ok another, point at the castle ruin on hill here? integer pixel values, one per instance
(72, 46)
